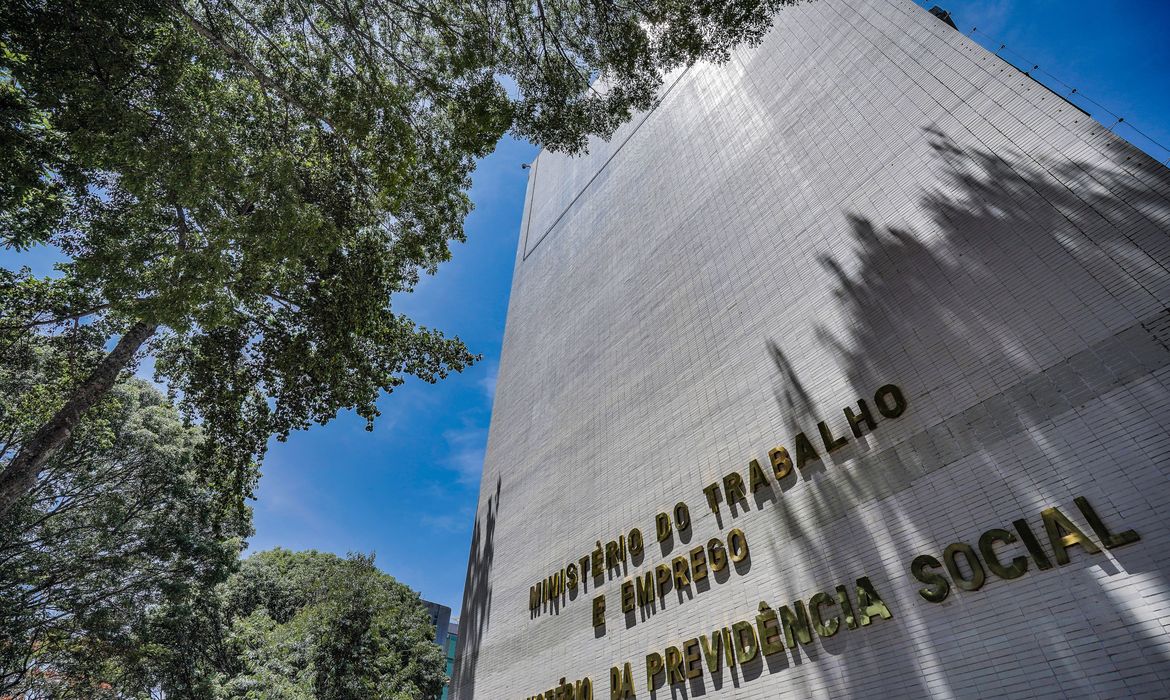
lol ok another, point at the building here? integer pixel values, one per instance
(440, 619)
(446, 636)
(841, 373)
(449, 647)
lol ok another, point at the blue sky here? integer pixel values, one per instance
(1114, 51)
(408, 490)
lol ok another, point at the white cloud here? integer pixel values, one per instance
(467, 447)
(449, 522)
(488, 382)
(990, 16)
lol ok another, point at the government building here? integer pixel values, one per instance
(844, 372)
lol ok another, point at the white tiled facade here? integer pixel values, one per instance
(867, 198)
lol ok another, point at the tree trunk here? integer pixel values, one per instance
(20, 476)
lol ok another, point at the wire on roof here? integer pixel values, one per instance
(1071, 91)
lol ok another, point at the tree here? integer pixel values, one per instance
(242, 185)
(314, 626)
(103, 565)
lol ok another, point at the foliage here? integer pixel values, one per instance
(100, 564)
(247, 184)
(308, 625)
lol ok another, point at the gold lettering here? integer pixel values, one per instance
(832, 444)
(692, 661)
(674, 665)
(870, 603)
(950, 559)
(644, 587)
(1033, 545)
(712, 493)
(612, 556)
(823, 628)
(846, 607)
(662, 577)
(864, 415)
(599, 611)
(757, 479)
(745, 641)
(1062, 534)
(653, 668)
(712, 649)
(938, 587)
(987, 548)
(698, 564)
(621, 683)
(795, 624)
(733, 488)
(805, 452)
(737, 545)
(681, 572)
(781, 462)
(894, 394)
(728, 648)
(627, 596)
(716, 555)
(636, 543)
(662, 526)
(769, 630)
(1109, 539)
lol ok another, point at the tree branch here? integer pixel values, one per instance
(263, 78)
(54, 321)
(20, 476)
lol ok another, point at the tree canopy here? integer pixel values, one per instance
(313, 626)
(124, 536)
(120, 577)
(241, 186)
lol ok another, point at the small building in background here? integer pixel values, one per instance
(441, 619)
(446, 635)
(449, 648)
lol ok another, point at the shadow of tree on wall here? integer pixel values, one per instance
(1000, 221)
(1026, 258)
(475, 614)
